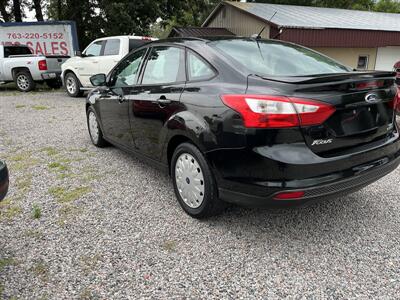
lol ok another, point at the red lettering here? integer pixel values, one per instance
(30, 45)
(38, 49)
(54, 48)
(64, 48)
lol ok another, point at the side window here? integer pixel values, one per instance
(94, 49)
(112, 47)
(198, 69)
(164, 65)
(126, 72)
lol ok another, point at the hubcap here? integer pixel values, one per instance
(93, 127)
(189, 180)
(23, 82)
(71, 85)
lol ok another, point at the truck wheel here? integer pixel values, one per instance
(53, 83)
(24, 81)
(72, 85)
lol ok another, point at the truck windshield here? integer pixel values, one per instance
(273, 58)
(16, 50)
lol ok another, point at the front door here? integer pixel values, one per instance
(114, 104)
(156, 98)
(88, 64)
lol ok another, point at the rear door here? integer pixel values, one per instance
(110, 55)
(156, 98)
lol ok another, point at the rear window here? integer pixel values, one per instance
(277, 59)
(136, 43)
(16, 51)
(111, 47)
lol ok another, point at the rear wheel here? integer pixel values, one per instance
(72, 85)
(194, 183)
(24, 81)
(96, 135)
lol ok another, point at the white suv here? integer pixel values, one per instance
(99, 57)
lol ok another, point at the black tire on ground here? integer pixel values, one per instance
(24, 81)
(99, 141)
(211, 204)
(54, 83)
(72, 85)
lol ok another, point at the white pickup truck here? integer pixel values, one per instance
(99, 57)
(18, 64)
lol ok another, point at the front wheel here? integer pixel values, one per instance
(96, 135)
(194, 183)
(72, 85)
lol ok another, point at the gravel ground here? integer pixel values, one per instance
(87, 223)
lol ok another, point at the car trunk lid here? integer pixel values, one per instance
(363, 103)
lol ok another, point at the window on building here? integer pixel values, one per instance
(362, 62)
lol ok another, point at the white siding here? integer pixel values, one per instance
(387, 57)
(238, 22)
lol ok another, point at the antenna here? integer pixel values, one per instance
(258, 36)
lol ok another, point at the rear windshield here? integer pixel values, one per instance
(273, 58)
(136, 43)
(16, 51)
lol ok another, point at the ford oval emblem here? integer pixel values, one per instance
(372, 98)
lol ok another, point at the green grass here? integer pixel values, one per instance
(40, 107)
(5, 262)
(24, 183)
(50, 151)
(9, 209)
(20, 106)
(36, 211)
(62, 195)
(57, 166)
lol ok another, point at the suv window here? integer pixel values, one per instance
(164, 65)
(112, 47)
(94, 49)
(16, 51)
(136, 43)
(198, 69)
(126, 72)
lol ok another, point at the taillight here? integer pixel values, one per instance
(263, 111)
(42, 65)
(395, 104)
(289, 195)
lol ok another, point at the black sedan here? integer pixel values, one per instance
(3, 180)
(247, 121)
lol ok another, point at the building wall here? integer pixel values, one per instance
(238, 22)
(349, 56)
(387, 57)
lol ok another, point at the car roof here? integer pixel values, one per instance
(205, 39)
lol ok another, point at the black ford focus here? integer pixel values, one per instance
(248, 121)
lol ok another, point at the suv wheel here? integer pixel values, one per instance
(96, 135)
(24, 81)
(72, 85)
(194, 183)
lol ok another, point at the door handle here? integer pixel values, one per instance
(163, 100)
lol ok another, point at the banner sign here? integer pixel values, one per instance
(46, 38)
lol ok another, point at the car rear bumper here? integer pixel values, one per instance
(251, 177)
(4, 180)
(51, 75)
(334, 189)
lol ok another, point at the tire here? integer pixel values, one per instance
(72, 85)
(24, 81)
(194, 184)
(54, 83)
(95, 133)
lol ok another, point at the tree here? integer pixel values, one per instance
(5, 16)
(37, 5)
(17, 11)
(390, 6)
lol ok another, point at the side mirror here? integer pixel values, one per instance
(78, 53)
(98, 80)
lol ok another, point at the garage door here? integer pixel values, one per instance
(387, 57)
